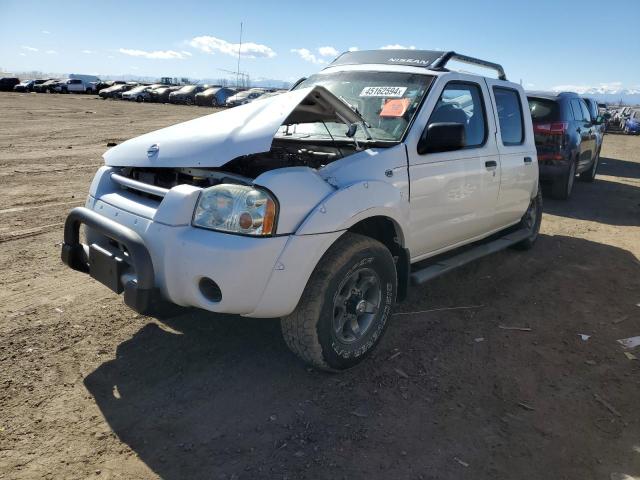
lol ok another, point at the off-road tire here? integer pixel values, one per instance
(309, 331)
(590, 175)
(563, 185)
(533, 226)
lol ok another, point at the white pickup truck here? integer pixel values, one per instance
(321, 205)
(73, 85)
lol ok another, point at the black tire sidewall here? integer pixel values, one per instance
(339, 355)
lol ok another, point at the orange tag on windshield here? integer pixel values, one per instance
(395, 107)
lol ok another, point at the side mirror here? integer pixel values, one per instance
(599, 120)
(442, 137)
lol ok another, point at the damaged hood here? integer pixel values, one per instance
(213, 140)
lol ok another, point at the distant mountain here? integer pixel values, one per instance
(605, 93)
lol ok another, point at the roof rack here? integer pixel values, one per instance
(441, 63)
(431, 59)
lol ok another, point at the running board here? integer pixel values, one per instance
(446, 265)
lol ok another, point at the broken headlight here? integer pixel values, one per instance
(236, 209)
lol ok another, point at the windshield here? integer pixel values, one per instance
(387, 101)
(187, 89)
(138, 89)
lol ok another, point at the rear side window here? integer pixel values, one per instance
(543, 110)
(576, 108)
(509, 115)
(462, 103)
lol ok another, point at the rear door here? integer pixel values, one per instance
(518, 159)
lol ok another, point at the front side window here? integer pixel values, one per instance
(585, 111)
(462, 103)
(387, 101)
(509, 115)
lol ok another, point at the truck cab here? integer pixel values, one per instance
(321, 205)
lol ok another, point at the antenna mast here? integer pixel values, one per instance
(239, 50)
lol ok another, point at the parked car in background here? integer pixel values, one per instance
(161, 94)
(141, 93)
(271, 94)
(302, 208)
(73, 85)
(244, 97)
(620, 117)
(7, 83)
(46, 86)
(214, 96)
(101, 85)
(115, 91)
(632, 123)
(24, 86)
(187, 94)
(566, 140)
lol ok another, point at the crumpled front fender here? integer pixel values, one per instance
(353, 203)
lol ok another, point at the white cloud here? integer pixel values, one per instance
(353, 49)
(209, 44)
(46, 32)
(529, 85)
(88, 52)
(22, 54)
(31, 49)
(155, 55)
(51, 52)
(306, 54)
(328, 52)
(396, 46)
(184, 52)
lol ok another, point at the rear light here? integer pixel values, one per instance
(554, 128)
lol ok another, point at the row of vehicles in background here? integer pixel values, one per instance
(624, 119)
(203, 95)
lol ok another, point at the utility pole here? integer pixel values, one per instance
(239, 50)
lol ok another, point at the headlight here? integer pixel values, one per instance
(236, 209)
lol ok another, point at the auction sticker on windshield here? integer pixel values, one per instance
(383, 92)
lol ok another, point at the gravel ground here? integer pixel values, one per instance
(92, 390)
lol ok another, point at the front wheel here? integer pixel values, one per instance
(346, 305)
(530, 221)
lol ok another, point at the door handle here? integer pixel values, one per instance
(527, 160)
(491, 164)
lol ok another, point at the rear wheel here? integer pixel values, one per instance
(214, 102)
(531, 221)
(563, 186)
(346, 305)
(590, 175)
(139, 99)
(189, 101)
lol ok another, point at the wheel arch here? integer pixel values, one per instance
(388, 232)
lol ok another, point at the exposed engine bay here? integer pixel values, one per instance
(243, 170)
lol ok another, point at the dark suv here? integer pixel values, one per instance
(566, 139)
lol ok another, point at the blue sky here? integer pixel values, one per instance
(543, 43)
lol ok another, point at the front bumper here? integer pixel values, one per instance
(153, 255)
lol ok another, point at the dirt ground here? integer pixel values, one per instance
(89, 389)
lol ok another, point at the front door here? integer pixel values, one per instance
(453, 194)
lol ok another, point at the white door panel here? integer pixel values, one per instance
(450, 201)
